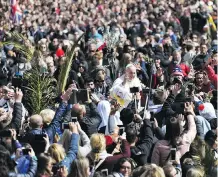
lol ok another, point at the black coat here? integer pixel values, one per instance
(141, 151)
(91, 121)
(17, 117)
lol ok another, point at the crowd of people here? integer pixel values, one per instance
(148, 69)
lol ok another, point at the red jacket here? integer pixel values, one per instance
(212, 76)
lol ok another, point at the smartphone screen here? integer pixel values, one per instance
(26, 151)
(121, 130)
(65, 126)
(173, 153)
(152, 116)
(73, 119)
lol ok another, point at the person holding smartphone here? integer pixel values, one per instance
(179, 134)
(141, 145)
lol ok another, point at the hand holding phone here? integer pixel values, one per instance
(121, 130)
(26, 151)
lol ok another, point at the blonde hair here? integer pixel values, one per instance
(47, 116)
(153, 171)
(195, 172)
(98, 144)
(57, 152)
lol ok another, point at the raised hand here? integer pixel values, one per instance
(189, 108)
(18, 95)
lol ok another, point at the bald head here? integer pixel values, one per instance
(79, 109)
(36, 121)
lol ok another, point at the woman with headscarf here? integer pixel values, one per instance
(104, 109)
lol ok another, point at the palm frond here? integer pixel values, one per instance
(39, 92)
(65, 68)
(22, 44)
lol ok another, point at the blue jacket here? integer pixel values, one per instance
(72, 152)
(51, 129)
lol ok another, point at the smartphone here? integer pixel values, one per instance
(40, 137)
(16, 82)
(105, 172)
(73, 119)
(121, 130)
(173, 153)
(134, 89)
(65, 126)
(55, 169)
(26, 151)
(152, 116)
(5, 133)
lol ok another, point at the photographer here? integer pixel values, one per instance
(36, 123)
(88, 116)
(140, 146)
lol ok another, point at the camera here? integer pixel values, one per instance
(65, 126)
(134, 89)
(26, 151)
(74, 119)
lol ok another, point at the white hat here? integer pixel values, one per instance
(208, 111)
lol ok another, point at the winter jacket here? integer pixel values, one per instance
(161, 152)
(85, 149)
(202, 125)
(167, 106)
(50, 130)
(17, 117)
(141, 150)
(72, 152)
(91, 121)
(30, 173)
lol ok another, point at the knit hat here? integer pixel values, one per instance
(207, 111)
(59, 52)
(177, 72)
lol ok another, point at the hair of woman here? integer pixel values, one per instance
(57, 152)
(151, 170)
(121, 161)
(98, 144)
(173, 130)
(79, 168)
(195, 172)
(43, 161)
